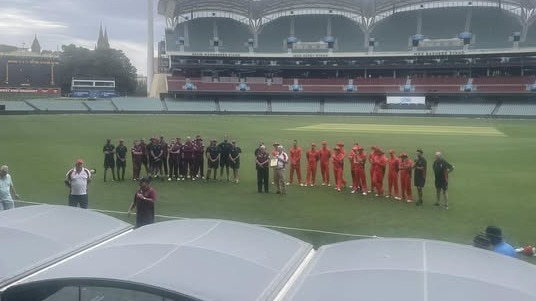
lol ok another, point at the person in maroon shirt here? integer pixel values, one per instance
(199, 157)
(144, 201)
(187, 155)
(165, 154)
(174, 153)
(137, 158)
(145, 156)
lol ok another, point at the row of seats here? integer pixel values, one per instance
(278, 105)
(363, 85)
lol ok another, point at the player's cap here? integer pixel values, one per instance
(79, 161)
(355, 148)
(391, 151)
(324, 143)
(420, 151)
(403, 155)
(275, 144)
(337, 148)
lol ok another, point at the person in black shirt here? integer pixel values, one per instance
(213, 158)
(442, 168)
(225, 149)
(234, 160)
(121, 159)
(262, 160)
(109, 162)
(419, 177)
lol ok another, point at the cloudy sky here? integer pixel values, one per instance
(63, 22)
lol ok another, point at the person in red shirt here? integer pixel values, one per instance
(137, 159)
(352, 157)
(371, 168)
(338, 169)
(358, 165)
(379, 163)
(392, 176)
(325, 156)
(144, 201)
(340, 144)
(312, 156)
(295, 153)
(406, 166)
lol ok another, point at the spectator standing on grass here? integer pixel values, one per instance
(109, 162)
(442, 168)
(279, 177)
(262, 160)
(77, 179)
(419, 177)
(144, 201)
(7, 189)
(234, 160)
(121, 159)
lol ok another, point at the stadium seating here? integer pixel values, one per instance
(137, 104)
(58, 105)
(252, 105)
(14, 106)
(349, 106)
(465, 108)
(104, 105)
(493, 34)
(191, 105)
(289, 105)
(516, 109)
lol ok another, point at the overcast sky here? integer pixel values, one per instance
(63, 22)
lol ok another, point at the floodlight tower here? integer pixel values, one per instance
(150, 42)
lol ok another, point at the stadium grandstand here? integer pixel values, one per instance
(345, 56)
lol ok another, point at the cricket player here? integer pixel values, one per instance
(406, 167)
(379, 163)
(312, 156)
(392, 176)
(338, 167)
(295, 163)
(325, 156)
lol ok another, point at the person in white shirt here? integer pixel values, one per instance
(7, 190)
(77, 180)
(279, 175)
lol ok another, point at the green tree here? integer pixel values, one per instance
(102, 63)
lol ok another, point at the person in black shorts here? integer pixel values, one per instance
(121, 159)
(419, 177)
(213, 158)
(109, 162)
(234, 160)
(442, 168)
(225, 149)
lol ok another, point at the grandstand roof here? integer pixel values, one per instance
(258, 9)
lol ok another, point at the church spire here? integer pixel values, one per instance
(102, 42)
(36, 47)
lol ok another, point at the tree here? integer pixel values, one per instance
(101, 63)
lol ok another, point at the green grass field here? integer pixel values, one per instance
(490, 185)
